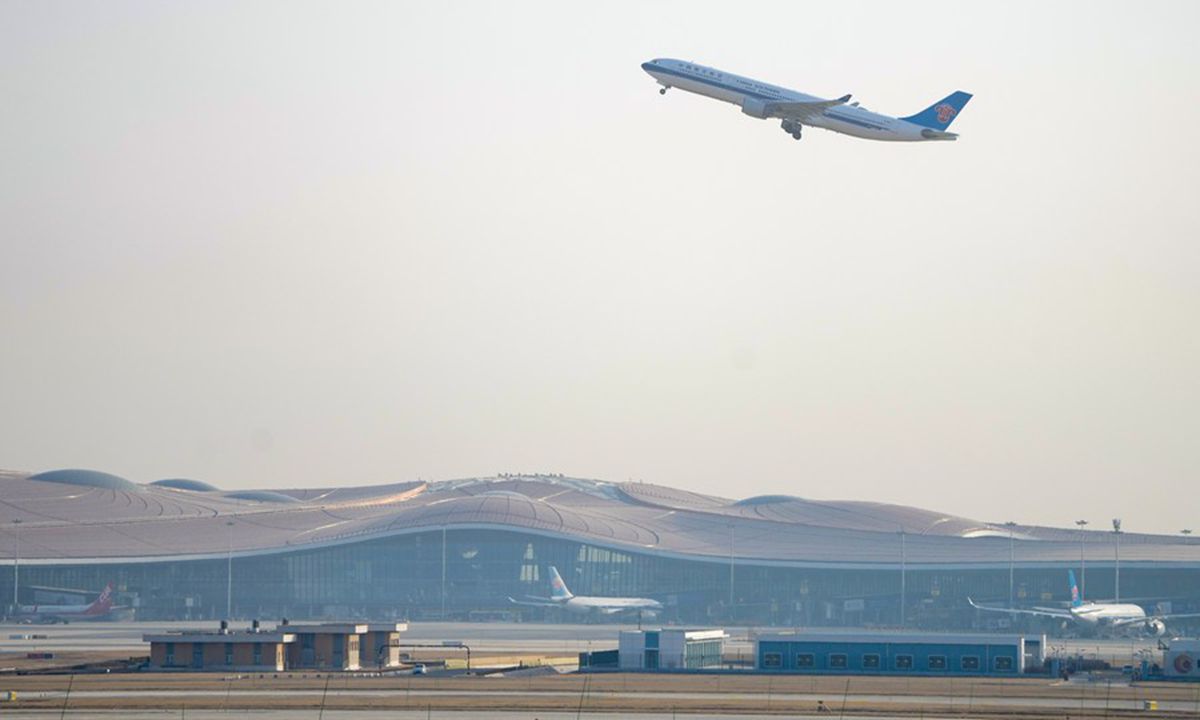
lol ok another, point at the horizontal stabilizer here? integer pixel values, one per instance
(938, 135)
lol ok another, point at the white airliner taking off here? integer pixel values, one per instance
(796, 110)
(1098, 615)
(561, 597)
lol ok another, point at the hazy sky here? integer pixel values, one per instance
(295, 244)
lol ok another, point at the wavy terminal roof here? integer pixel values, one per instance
(73, 516)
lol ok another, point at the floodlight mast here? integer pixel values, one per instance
(16, 565)
(1011, 558)
(903, 576)
(1116, 525)
(1082, 560)
(229, 570)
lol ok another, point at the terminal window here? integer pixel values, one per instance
(870, 661)
(772, 660)
(937, 662)
(1004, 664)
(837, 660)
(970, 662)
(904, 662)
(805, 660)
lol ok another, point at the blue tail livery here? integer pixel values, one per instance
(940, 114)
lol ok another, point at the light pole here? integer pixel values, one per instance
(1117, 573)
(903, 575)
(1081, 524)
(229, 570)
(731, 613)
(443, 593)
(17, 566)
(1011, 557)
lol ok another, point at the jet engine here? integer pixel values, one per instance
(1155, 628)
(755, 108)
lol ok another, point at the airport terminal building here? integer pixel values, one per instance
(183, 549)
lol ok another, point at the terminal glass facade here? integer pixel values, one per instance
(471, 573)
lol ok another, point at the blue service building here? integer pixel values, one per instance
(898, 654)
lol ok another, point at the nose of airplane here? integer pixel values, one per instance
(648, 66)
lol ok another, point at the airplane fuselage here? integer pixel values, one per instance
(744, 92)
(1100, 613)
(58, 613)
(584, 604)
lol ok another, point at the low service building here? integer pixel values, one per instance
(897, 654)
(315, 646)
(380, 645)
(241, 651)
(326, 646)
(673, 649)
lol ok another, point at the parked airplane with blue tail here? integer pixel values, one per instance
(1111, 617)
(797, 110)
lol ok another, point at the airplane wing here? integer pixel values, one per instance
(1043, 612)
(534, 603)
(802, 111)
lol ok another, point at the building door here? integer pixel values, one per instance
(339, 654)
(307, 653)
(197, 655)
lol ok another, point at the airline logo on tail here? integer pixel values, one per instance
(1076, 601)
(939, 115)
(103, 604)
(558, 588)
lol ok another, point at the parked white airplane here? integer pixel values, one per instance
(99, 609)
(1102, 616)
(796, 110)
(561, 597)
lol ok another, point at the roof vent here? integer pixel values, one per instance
(260, 496)
(87, 478)
(767, 500)
(186, 484)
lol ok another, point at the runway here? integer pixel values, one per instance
(237, 698)
(427, 714)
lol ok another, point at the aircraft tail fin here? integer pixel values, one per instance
(102, 604)
(558, 588)
(939, 115)
(1076, 601)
